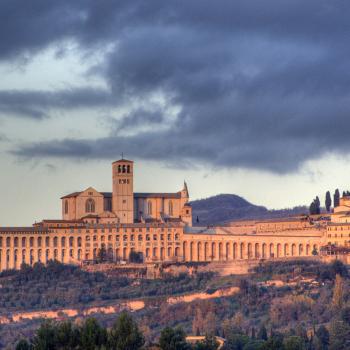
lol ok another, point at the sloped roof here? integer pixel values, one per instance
(136, 195)
(74, 194)
(158, 195)
(123, 160)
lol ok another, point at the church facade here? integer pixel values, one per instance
(159, 226)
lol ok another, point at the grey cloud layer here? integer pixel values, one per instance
(260, 85)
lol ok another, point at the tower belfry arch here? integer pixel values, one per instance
(123, 190)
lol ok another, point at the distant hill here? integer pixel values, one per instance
(229, 207)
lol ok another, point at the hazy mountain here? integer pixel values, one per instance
(228, 207)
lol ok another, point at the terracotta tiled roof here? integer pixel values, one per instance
(158, 195)
(74, 194)
(123, 160)
(136, 195)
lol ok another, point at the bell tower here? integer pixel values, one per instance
(123, 190)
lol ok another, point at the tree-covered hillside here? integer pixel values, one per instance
(229, 207)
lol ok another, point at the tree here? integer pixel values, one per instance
(336, 198)
(236, 342)
(92, 335)
(312, 208)
(23, 344)
(67, 336)
(294, 343)
(209, 343)
(338, 292)
(125, 334)
(318, 205)
(328, 201)
(275, 342)
(322, 338)
(173, 339)
(339, 335)
(102, 254)
(136, 257)
(44, 338)
(262, 334)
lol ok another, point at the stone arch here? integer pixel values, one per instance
(228, 251)
(241, 251)
(199, 251)
(184, 249)
(220, 252)
(15, 258)
(31, 257)
(213, 251)
(307, 252)
(264, 248)
(23, 255)
(177, 251)
(235, 250)
(191, 251)
(257, 251)
(169, 252)
(206, 251)
(125, 255)
(7, 259)
(117, 254)
(250, 251)
(300, 250)
(154, 253)
(279, 250)
(294, 248)
(286, 249)
(271, 250)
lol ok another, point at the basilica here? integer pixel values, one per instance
(159, 227)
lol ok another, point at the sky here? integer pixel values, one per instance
(243, 97)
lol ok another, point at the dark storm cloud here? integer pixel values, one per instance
(37, 104)
(261, 85)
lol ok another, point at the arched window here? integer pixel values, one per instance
(119, 168)
(124, 169)
(171, 208)
(128, 169)
(90, 206)
(66, 207)
(149, 208)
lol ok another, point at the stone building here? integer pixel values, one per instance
(159, 225)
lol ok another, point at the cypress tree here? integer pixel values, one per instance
(336, 198)
(328, 201)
